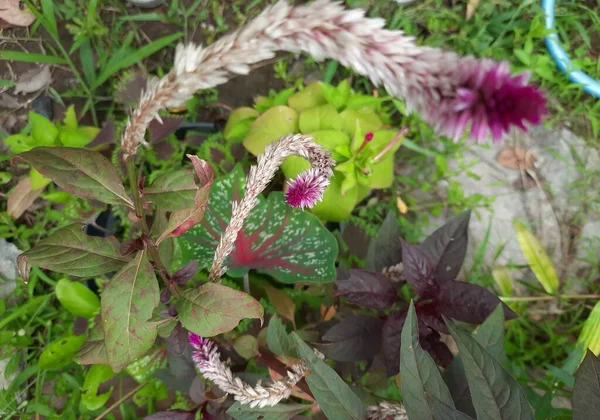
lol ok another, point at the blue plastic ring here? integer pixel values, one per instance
(561, 58)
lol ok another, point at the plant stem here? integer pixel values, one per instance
(139, 212)
(542, 298)
(247, 283)
(120, 401)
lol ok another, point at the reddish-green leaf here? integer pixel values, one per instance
(81, 172)
(93, 351)
(288, 244)
(213, 309)
(173, 191)
(70, 251)
(182, 220)
(127, 305)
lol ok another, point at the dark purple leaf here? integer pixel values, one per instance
(429, 314)
(386, 249)
(186, 272)
(469, 303)
(437, 349)
(419, 271)
(446, 247)
(180, 372)
(130, 246)
(357, 337)
(178, 339)
(165, 296)
(160, 131)
(197, 391)
(289, 244)
(131, 90)
(163, 150)
(172, 415)
(367, 289)
(356, 240)
(391, 333)
(105, 136)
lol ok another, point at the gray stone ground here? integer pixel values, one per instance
(564, 213)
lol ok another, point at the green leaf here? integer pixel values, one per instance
(77, 299)
(490, 334)
(368, 120)
(324, 117)
(278, 340)
(445, 411)
(239, 122)
(90, 399)
(127, 305)
(60, 353)
(289, 244)
(70, 119)
(279, 412)
(32, 58)
(38, 180)
(309, 97)
(120, 61)
(337, 96)
(173, 191)
(275, 123)
(363, 101)
(70, 251)
(586, 400)
(75, 139)
(81, 172)
(496, 395)
(213, 309)
(589, 338)
(43, 131)
(419, 374)
(538, 259)
(331, 392)
(93, 351)
(246, 346)
(503, 279)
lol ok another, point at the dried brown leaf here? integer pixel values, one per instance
(284, 305)
(471, 7)
(21, 198)
(516, 158)
(12, 13)
(33, 80)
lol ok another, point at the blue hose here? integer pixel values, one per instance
(561, 58)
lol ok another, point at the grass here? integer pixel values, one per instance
(96, 41)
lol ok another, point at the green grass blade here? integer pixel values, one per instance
(32, 57)
(115, 65)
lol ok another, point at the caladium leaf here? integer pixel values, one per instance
(391, 334)
(419, 374)
(446, 247)
(84, 173)
(368, 289)
(182, 220)
(419, 271)
(357, 337)
(71, 251)
(213, 309)
(127, 305)
(288, 244)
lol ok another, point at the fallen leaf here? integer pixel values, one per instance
(471, 7)
(284, 305)
(9, 102)
(327, 312)
(21, 197)
(33, 80)
(14, 12)
(516, 158)
(401, 205)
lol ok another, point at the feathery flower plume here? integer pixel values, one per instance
(386, 411)
(207, 358)
(449, 91)
(306, 189)
(260, 176)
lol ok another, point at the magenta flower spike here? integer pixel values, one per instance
(492, 100)
(307, 189)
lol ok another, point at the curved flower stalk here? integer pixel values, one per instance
(386, 411)
(304, 191)
(449, 91)
(207, 358)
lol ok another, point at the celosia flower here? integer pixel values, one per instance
(306, 189)
(204, 349)
(492, 100)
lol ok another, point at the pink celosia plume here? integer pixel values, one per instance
(449, 91)
(306, 189)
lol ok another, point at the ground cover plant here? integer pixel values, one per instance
(167, 273)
